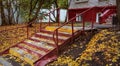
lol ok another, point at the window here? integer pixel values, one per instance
(81, 1)
(78, 18)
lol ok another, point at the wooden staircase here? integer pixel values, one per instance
(44, 45)
(41, 48)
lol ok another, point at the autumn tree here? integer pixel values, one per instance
(15, 11)
(9, 10)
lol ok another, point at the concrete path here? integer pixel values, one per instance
(4, 62)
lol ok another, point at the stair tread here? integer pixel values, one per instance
(51, 32)
(25, 53)
(30, 51)
(42, 52)
(49, 35)
(40, 44)
(46, 40)
(41, 41)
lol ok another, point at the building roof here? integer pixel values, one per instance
(74, 4)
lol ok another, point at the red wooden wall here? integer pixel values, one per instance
(89, 16)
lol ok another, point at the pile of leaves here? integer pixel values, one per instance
(102, 50)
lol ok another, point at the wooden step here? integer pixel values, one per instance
(48, 37)
(33, 49)
(51, 35)
(41, 45)
(45, 40)
(41, 41)
(30, 50)
(26, 54)
(34, 46)
(59, 33)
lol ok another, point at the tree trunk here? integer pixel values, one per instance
(56, 5)
(9, 12)
(3, 18)
(118, 13)
(69, 2)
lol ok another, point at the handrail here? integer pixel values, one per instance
(104, 8)
(49, 17)
(56, 30)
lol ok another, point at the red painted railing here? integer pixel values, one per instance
(72, 26)
(102, 19)
(48, 14)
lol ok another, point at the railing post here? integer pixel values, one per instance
(72, 30)
(35, 28)
(49, 19)
(92, 21)
(27, 31)
(57, 41)
(40, 23)
(83, 23)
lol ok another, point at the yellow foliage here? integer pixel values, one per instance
(66, 60)
(52, 28)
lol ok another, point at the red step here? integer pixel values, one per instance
(45, 40)
(35, 46)
(59, 33)
(29, 51)
(42, 41)
(48, 37)
(40, 48)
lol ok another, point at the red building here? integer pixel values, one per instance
(98, 11)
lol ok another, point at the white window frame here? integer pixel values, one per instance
(78, 18)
